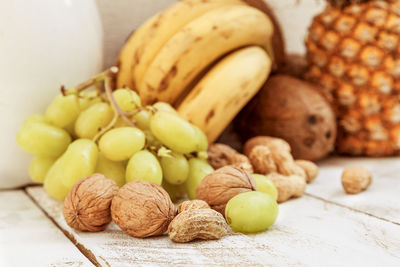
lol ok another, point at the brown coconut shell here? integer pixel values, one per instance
(293, 110)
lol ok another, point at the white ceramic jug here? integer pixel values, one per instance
(43, 44)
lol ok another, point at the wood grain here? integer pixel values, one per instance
(29, 238)
(381, 199)
(309, 232)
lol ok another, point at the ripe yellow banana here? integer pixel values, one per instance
(197, 45)
(165, 26)
(225, 90)
(126, 55)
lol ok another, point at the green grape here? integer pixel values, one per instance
(198, 169)
(114, 170)
(42, 139)
(63, 110)
(144, 166)
(77, 162)
(151, 140)
(93, 119)
(174, 132)
(174, 191)
(120, 123)
(52, 183)
(175, 168)
(265, 185)
(202, 138)
(88, 98)
(35, 118)
(164, 107)
(121, 143)
(142, 119)
(39, 167)
(127, 99)
(251, 212)
(70, 128)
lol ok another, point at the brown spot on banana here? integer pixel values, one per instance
(242, 25)
(165, 81)
(227, 34)
(210, 115)
(225, 89)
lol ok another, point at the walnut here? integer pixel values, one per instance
(262, 160)
(218, 187)
(310, 168)
(288, 186)
(220, 155)
(192, 204)
(87, 205)
(356, 179)
(197, 224)
(142, 209)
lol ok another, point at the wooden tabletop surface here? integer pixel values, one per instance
(325, 227)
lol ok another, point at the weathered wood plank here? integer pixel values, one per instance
(381, 199)
(309, 232)
(29, 238)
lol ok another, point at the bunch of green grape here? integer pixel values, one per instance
(102, 131)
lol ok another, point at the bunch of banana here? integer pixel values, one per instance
(206, 57)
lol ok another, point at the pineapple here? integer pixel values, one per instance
(353, 53)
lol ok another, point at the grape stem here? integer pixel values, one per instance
(108, 127)
(107, 86)
(92, 81)
(117, 110)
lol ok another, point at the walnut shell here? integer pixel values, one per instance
(218, 187)
(192, 205)
(87, 205)
(142, 209)
(220, 155)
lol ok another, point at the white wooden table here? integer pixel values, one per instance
(325, 227)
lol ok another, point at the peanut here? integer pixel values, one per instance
(356, 179)
(197, 224)
(261, 158)
(288, 186)
(310, 168)
(193, 204)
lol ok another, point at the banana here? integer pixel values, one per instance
(166, 25)
(126, 55)
(198, 44)
(225, 89)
